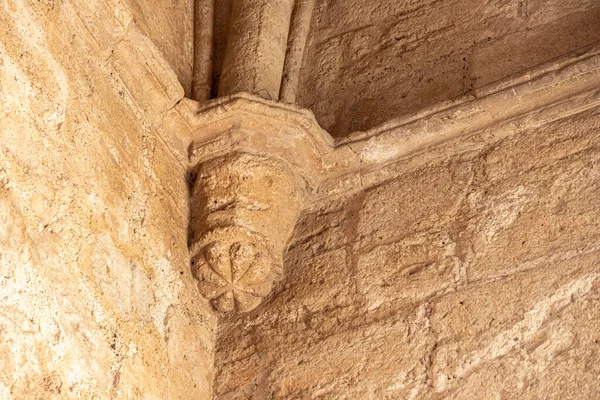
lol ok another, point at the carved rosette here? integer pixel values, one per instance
(243, 209)
(235, 269)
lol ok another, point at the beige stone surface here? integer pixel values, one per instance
(371, 60)
(256, 43)
(169, 24)
(445, 249)
(472, 277)
(96, 296)
(243, 209)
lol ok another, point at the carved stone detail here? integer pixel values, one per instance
(243, 209)
(254, 164)
(235, 269)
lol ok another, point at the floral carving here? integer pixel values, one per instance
(243, 209)
(234, 275)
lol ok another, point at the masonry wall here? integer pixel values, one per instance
(473, 278)
(368, 61)
(96, 296)
(169, 24)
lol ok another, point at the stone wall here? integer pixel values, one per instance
(475, 277)
(169, 24)
(368, 61)
(96, 296)
(455, 254)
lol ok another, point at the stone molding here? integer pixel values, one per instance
(256, 164)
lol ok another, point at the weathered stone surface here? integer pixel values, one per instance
(474, 277)
(97, 299)
(169, 24)
(370, 61)
(243, 208)
(549, 210)
(256, 44)
(451, 252)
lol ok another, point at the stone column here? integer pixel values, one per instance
(203, 49)
(299, 29)
(256, 47)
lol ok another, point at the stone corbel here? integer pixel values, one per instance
(254, 165)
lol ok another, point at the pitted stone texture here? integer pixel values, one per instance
(96, 297)
(171, 30)
(243, 210)
(484, 284)
(372, 60)
(256, 44)
(235, 270)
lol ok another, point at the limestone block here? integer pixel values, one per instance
(423, 288)
(256, 47)
(96, 297)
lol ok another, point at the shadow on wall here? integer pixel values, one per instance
(368, 62)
